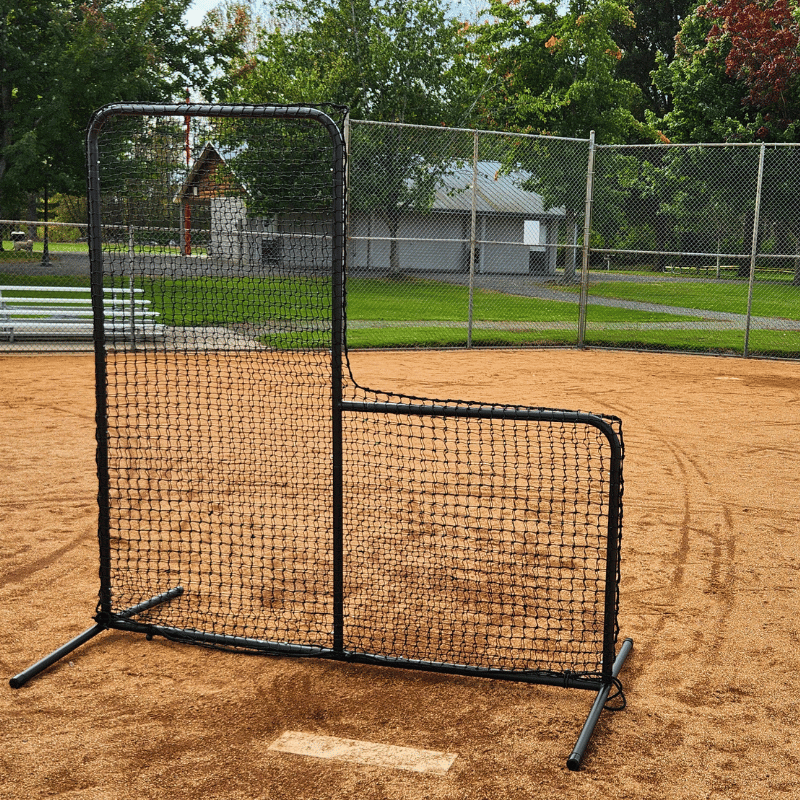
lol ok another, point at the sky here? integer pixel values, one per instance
(198, 9)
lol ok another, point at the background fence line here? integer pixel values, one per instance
(694, 247)
(468, 238)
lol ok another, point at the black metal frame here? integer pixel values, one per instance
(611, 662)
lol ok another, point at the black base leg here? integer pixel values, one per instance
(574, 761)
(23, 677)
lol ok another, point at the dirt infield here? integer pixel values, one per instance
(709, 593)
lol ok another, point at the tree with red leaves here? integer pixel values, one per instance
(736, 73)
(763, 38)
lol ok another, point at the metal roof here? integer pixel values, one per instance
(498, 192)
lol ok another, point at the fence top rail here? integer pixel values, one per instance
(688, 145)
(468, 130)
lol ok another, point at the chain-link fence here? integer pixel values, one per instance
(461, 238)
(467, 238)
(455, 239)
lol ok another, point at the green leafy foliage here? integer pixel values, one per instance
(736, 74)
(86, 55)
(392, 61)
(546, 70)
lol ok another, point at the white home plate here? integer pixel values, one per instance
(378, 755)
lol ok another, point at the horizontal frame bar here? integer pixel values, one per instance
(484, 412)
(541, 677)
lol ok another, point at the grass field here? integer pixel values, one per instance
(426, 313)
(770, 298)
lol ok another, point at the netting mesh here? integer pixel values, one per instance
(218, 415)
(467, 535)
(478, 541)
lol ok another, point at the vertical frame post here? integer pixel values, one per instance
(95, 236)
(612, 556)
(337, 333)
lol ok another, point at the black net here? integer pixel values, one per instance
(429, 532)
(218, 391)
(479, 536)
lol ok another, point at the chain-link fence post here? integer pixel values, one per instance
(472, 236)
(587, 227)
(754, 250)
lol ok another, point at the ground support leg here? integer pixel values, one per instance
(574, 761)
(31, 672)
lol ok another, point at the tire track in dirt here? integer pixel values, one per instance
(720, 567)
(720, 575)
(23, 573)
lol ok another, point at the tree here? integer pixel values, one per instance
(656, 23)
(736, 74)
(391, 61)
(706, 103)
(763, 54)
(87, 55)
(546, 70)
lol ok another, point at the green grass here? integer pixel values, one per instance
(219, 301)
(229, 301)
(762, 343)
(455, 337)
(423, 300)
(16, 279)
(431, 305)
(19, 255)
(9, 254)
(783, 344)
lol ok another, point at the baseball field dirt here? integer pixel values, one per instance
(709, 594)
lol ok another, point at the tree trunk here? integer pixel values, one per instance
(747, 235)
(5, 140)
(393, 222)
(33, 202)
(662, 226)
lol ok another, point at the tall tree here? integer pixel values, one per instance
(656, 23)
(389, 61)
(86, 55)
(763, 54)
(736, 74)
(394, 60)
(548, 68)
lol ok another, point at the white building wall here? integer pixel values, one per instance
(228, 224)
(369, 247)
(496, 256)
(306, 241)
